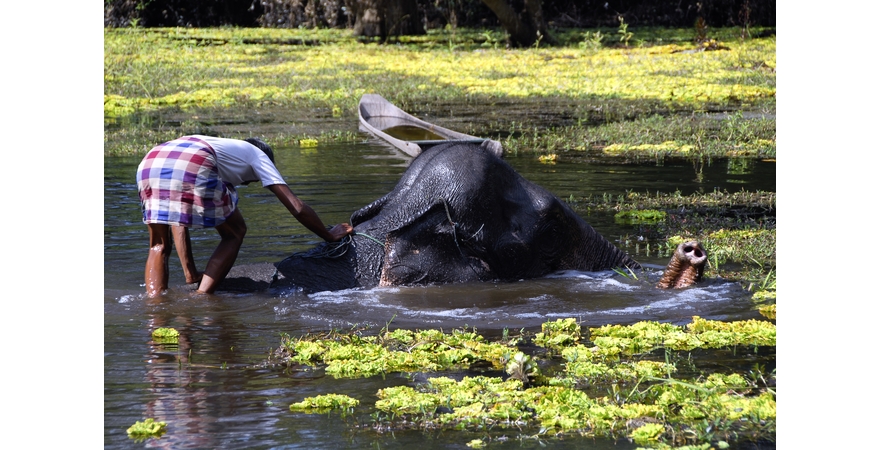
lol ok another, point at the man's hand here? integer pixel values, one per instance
(340, 231)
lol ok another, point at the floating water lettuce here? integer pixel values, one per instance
(559, 333)
(768, 311)
(350, 356)
(548, 159)
(166, 335)
(325, 402)
(491, 402)
(607, 386)
(647, 433)
(643, 337)
(146, 429)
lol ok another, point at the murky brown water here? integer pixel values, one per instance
(213, 390)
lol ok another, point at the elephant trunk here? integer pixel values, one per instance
(686, 266)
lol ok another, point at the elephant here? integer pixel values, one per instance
(686, 266)
(458, 214)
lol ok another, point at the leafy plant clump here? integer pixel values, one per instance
(352, 355)
(165, 335)
(324, 403)
(558, 334)
(607, 385)
(642, 216)
(148, 428)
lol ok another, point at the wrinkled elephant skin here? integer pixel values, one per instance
(686, 266)
(459, 213)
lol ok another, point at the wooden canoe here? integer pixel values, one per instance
(408, 133)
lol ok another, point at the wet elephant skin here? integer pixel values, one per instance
(459, 213)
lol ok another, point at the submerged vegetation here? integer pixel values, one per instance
(642, 382)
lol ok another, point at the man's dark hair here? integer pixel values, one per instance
(256, 142)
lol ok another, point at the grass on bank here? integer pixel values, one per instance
(148, 69)
(184, 79)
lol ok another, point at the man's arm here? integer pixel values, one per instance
(307, 216)
(184, 252)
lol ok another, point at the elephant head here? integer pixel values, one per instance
(460, 213)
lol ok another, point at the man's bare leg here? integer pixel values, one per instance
(184, 252)
(156, 270)
(232, 233)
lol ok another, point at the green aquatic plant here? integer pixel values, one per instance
(647, 433)
(768, 311)
(352, 355)
(608, 385)
(305, 143)
(644, 337)
(482, 402)
(149, 428)
(165, 336)
(168, 68)
(654, 150)
(628, 274)
(592, 40)
(640, 217)
(558, 334)
(323, 403)
(622, 30)
(521, 366)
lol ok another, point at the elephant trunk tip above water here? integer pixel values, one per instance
(686, 266)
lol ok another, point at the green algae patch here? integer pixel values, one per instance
(165, 335)
(149, 428)
(323, 403)
(640, 217)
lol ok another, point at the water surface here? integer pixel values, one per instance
(215, 390)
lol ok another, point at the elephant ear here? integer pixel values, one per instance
(368, 212)
(425, 251)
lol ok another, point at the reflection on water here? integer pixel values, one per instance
(213, 388)
(411, 133)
